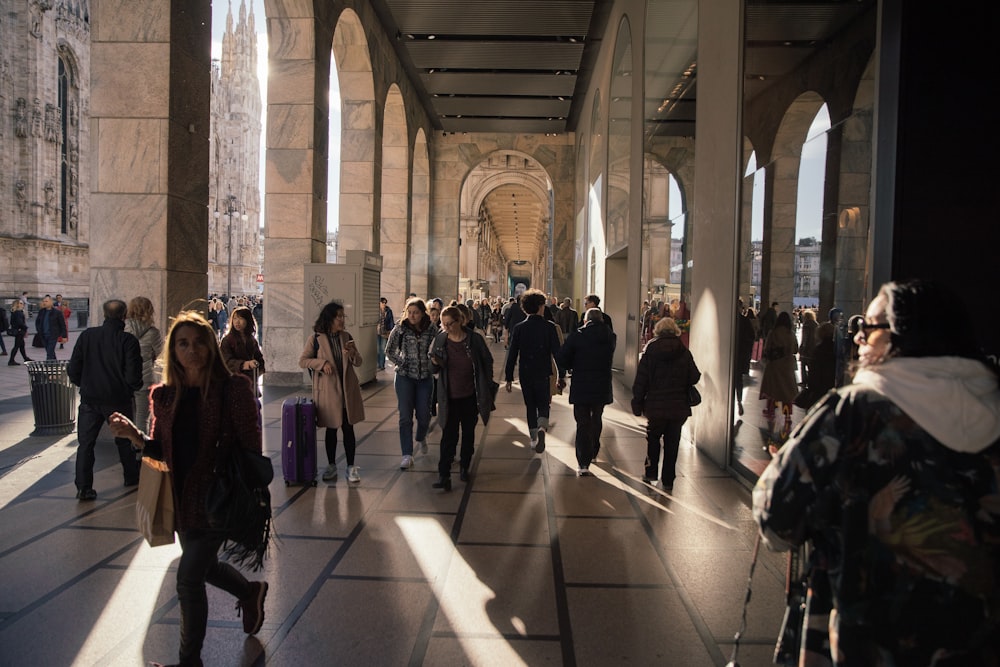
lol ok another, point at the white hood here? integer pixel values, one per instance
(956, 400)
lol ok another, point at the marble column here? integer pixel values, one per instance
(150, 140)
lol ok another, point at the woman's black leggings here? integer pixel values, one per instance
(349, 442)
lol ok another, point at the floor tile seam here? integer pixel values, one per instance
(694, 615)
(309, 596)
(518, 545)
(425, 632)
(69, 524)
(506, 636)
(391, 579)
(68, 584)
(618, 585)
(563, 617)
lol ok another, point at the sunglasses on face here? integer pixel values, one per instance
(857, 324)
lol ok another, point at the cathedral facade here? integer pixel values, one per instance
(44, 141)
(234, 236)
(45, 154)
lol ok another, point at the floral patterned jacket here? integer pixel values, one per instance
(904, 535)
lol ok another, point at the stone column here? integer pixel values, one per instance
(149, 115)
(717, 216)
(296, 184)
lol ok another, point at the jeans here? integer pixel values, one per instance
(18, 346)
(588, 432)
(670, 431)
(199, 564)
(413, 396)
(90, 419)
(537, 397)
(381, 351)
(462, 412)
(50, 347)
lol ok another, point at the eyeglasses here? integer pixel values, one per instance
(858, 324)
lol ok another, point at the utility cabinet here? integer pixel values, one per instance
(357, 284)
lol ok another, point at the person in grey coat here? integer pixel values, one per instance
(465, 390)
(588, 352)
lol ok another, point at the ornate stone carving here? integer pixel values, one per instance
(73, 179)
(21, 194)
(51, 124)
(50, 196)
(21, 118)
(73, 216)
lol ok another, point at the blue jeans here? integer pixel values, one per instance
(413, 396)
(50, 347)
(381, 351)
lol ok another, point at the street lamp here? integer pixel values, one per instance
(232, 207)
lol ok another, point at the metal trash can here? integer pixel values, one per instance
(53, 397)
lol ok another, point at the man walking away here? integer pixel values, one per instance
(588, 352)
(535, 342)
(566, 317)
(107, 367)
(382, 330)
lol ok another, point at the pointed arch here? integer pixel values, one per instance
(393, 238)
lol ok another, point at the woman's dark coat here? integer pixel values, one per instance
(482, 367)
(666, 370)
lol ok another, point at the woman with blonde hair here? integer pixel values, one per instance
(199, 412)
(139, 323)
(660, 392)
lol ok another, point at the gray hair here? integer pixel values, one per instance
(594, 315)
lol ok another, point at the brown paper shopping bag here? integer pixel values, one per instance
(154, 508)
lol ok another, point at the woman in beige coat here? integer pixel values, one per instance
(778, 384)
(331, 354)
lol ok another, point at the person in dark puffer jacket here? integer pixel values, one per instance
(660, 392)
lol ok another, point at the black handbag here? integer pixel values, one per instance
(238, 505)
(694, 396)
(38, 340)
(238, 502)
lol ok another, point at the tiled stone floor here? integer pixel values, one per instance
(525, 565)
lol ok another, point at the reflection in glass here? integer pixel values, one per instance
(807, 143)
(619, 141)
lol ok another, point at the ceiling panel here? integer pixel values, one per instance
(494, 55)
(540, 85)
(522, 107)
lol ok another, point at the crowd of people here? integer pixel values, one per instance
(891, 480)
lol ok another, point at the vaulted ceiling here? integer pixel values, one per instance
(524, 66)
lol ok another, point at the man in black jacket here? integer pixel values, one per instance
(588, 352)
(535, 341)
(107, 367)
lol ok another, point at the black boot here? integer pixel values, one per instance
(443, 483)
(464, 474)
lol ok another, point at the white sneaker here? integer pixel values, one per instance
(406, 463)
(583, 472)
(354, 474)
(330, 473)
(540, 441)
(422, 446)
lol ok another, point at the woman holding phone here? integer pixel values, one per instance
(331, 353)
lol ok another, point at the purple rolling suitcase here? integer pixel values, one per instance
(298, 440)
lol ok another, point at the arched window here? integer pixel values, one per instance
(67, 143)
